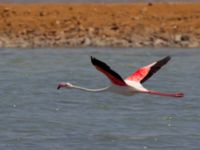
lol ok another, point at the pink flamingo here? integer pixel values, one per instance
(131, 85)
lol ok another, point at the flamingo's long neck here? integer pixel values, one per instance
(90, 90)
(165, 94)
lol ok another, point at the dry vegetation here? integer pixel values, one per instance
(78, 25)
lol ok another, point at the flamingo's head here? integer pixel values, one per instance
(64, 85)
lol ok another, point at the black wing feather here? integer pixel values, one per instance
(105, 67)
(156, 67)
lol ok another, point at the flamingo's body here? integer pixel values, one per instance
(131, 85)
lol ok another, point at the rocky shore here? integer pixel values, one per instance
(110, 25)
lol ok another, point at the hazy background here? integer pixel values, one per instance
(8, 1)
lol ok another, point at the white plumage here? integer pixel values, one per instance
(131, 85)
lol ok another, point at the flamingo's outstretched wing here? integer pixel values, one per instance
(105, 69)
(144, 73)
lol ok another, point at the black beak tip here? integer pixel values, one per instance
(58, 87)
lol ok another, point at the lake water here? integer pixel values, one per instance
(36, 116)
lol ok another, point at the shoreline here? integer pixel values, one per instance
(100, 25)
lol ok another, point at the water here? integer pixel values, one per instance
(36, 116)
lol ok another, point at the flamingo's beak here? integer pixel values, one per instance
(58, 87)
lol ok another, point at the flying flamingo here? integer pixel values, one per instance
(131, 85)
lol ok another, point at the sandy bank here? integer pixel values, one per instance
(115, 25)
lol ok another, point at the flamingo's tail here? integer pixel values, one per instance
(178, 94)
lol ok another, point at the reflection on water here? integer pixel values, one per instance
(34, 115)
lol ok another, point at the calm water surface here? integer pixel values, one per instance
(36, 116)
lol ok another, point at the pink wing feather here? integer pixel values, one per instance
(144, 73)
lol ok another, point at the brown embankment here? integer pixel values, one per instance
(115, 25)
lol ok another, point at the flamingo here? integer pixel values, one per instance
(129, 86)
